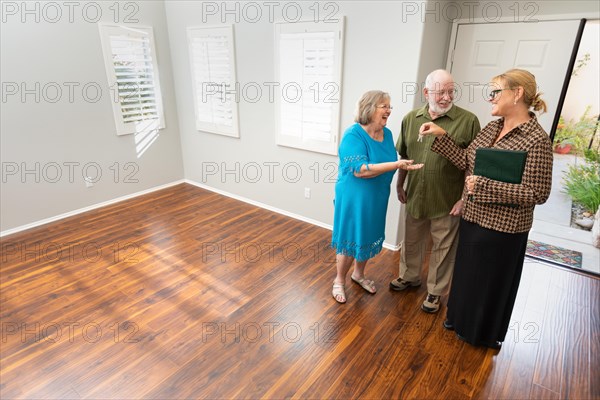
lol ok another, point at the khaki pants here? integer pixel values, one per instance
(444, 233)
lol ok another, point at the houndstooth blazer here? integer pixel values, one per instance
(485, 207)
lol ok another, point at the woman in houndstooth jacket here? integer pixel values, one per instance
(497, 216)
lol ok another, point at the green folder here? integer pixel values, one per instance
(499, 164)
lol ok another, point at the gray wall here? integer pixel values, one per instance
(64, 134)
(528, 11)
(383, 49)
(390, 45)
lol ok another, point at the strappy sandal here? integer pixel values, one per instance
(366, 284)
(339, 291)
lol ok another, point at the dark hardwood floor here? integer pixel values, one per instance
(184, 293)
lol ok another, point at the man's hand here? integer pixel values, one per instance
(457, 208)
(401, 194)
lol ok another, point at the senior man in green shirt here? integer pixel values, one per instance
(433, 193)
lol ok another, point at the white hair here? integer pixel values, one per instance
(434, 77)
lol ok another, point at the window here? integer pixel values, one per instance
(309, 67)
(212, 63)
(132, 71)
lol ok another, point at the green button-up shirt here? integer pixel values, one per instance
(433, 190)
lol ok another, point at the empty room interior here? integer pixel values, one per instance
(170, 171)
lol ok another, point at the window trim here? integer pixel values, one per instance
(337, 27)
(122, 127)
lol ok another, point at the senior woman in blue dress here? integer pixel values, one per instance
(368, 161)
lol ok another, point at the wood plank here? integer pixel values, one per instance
(227, 300)
(576, 368)
(554, 333)
(594, 355)
(526, 334)
(501, 362)
(542, 393)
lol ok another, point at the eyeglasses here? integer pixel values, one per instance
(494, 93)
(441, 93)
(385, 107)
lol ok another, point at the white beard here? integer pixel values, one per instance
(439, 110)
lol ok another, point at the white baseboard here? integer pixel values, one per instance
(261, 205)
(276, 210)
(154, 189)
(393, 247)
(89, 208)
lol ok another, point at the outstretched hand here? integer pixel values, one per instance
(408, 165)
(430, 128)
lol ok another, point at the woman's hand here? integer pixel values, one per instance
(430, 128)
(408, 165)
(470, 182)
(373, 170)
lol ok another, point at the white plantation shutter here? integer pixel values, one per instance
(212, 63)
(309, 65)
(132, 62)
(132, 71)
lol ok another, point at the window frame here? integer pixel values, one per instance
(302, 142)
(205, 125)
(123, 127)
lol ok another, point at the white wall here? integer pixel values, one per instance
(62, 130)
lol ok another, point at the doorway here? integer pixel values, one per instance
(566, 218)
(551, 50)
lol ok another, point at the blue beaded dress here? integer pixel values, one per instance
(361, 203)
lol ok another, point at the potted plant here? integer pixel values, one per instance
(564, 137)
(582, 181)
(574, 135)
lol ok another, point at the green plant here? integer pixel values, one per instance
(582, 182)
(592, 155)
(576, 133)
(582, 62)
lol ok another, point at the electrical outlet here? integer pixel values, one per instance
(307, 193)
(88, 182)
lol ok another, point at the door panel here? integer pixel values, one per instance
(482, 51)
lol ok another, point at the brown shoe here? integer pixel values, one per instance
(400, 284)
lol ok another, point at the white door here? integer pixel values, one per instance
(481, 51)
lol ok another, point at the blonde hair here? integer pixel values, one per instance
(525, 79)
(367, 104)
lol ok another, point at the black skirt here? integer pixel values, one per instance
(485, 282)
